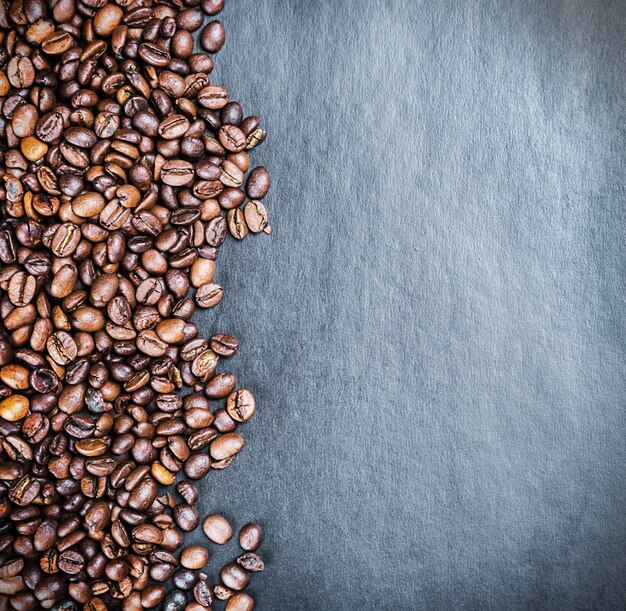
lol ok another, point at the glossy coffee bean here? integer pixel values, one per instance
(240, 602)
(124, 172)
(235, 577)
(213, 36)
(194, 557)
(217, 529)
(250, 537)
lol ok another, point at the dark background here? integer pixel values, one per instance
(435, 332)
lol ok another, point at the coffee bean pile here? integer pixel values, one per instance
(123, 172)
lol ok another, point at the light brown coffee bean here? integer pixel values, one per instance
(217, 529)
(194, 557)
(209, 295)
(226, 446)
(14, 408)
(255, 216)
(241, 405)
(237, 224)
(240, 602)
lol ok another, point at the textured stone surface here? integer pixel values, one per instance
(435, 333)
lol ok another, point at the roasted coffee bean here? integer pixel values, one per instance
(188, 491)
(209, 295)
(232, 139)
(251, 562)
(173, 126)
(202, 591)
(107, 19)
(14, 408)
(240, 602)
(184, 579)
(213, 97)
(224, 345)
(258, 183)
(237, 224)
(194, 557)
(212, 7)
(62, 348)
(186, 517)
(175, 601)
(241, 405)
(234, 577)
(177, 173)
(197, 465)
(213, 36)
(226, 446)
(217, 529)
(250, 537)
(255, 216)
(118, 157)
(220, 386)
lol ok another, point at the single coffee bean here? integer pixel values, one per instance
(15, 377)
(188, 491)
(57, 43)
(240, 602)
(255, 216)
(14, 408)
(226, 446)
(197, 465)
(217, 529)
(258, 183)
(186, 517)
(234, 577)
(240, 405)
(213, 36)
(221, 385)
(175, 601)
(232, 138)
(202, 591)
(224, 345)
(209, 295)
(251, 562)
(213, 97)
(194, 557)
(222, 592)
(177, 173)
(107, 19)
(184, 579)
(62, 348)
(250, 537)
(173, 126)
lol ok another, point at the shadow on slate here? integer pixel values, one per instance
(435, 332)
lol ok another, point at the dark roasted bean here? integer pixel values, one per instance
(124, 170)
(213, 36)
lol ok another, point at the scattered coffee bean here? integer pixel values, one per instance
(195, 557)
(251, 562)
(250, 537)
(123, 171)
(234, 577)
(217, 528)
(213, 36)
(240, 602)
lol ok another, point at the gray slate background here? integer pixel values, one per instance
(435, 332)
